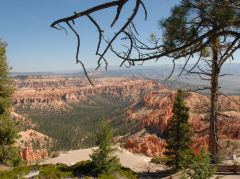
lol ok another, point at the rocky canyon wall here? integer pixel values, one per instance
(151, 106)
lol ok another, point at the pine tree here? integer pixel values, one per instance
(102, 159)
(201, 165)
(178, 134)
(196, 28)
(8, 132)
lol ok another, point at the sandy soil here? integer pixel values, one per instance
(137, 163)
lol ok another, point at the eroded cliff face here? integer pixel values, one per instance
(151, 105)
(155, 110)
(59, 93)
(22, 120)
(33, 145)
(148, 144)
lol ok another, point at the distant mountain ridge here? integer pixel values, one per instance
(154, 70)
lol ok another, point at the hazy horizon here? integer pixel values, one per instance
(111, 67)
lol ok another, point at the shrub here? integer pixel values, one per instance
(121, 173)
(83, 169)
(16, 172)
(159, 160)
(126, 172)
(55, 171)
(55, 154)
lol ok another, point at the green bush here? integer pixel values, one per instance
(83, 168)
(55, 171)
(16, 172)
(126, 172)
(159, 160)
(121, 173)
(17, 161)
(107, 176)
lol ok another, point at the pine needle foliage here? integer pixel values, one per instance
(208, 30)
(8, 132)
(103, 159)
(178, 134)
(201, 165)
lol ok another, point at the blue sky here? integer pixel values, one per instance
(34, 46)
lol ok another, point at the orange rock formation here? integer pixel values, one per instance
(155, 110)
(57, 94)
(148, 144)
(33, 145)
(152, 106)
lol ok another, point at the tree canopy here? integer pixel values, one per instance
(210, 32)
(8, 132)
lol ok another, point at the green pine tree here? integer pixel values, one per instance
(8, 132)
(201, 165)
(196, 28)
(102, 158)
(178, 134)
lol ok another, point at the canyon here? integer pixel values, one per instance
(59, 92)
(145, 103)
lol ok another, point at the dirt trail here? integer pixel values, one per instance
(137, 163)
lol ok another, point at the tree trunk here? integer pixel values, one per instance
(213, 136)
